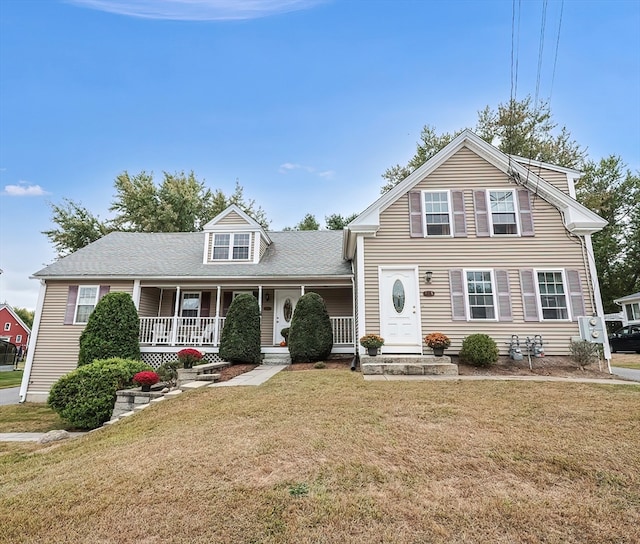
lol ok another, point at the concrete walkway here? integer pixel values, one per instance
(9, 395)
(257, 376)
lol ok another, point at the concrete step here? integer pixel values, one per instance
(207, 377)
(276, 359)
(408, 365)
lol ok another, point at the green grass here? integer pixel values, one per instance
(29, 418)
(11, 378)
(325, 457)
(635, 366)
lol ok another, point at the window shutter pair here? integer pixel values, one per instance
(502, 295)
(416, 213)
(72, 297)
(483, 228)
(530, 298)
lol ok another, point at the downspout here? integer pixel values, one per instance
(33, 339)
(356, 358)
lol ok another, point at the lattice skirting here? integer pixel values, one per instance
(159, 358)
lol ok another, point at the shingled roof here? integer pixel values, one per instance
(180, 255)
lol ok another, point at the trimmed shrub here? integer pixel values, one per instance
(584, 353)
(310, 335)
(85, 397)
(112, 330)
(479, 350)
(240, 339)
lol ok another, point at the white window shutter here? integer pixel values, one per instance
(415, 214)
(458, 309)
(529, 297)
(459, 219)
(482, 216)
(575, 294)
(526, 216)
(504, 295)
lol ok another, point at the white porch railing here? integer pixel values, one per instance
(206, 331)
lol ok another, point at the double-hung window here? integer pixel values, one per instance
(86, 302)
(190, 305)
(503, 212)
(437, 213)
(553, 299)
(480, 294)
(231, 247)
(633, 311)
(7, 326)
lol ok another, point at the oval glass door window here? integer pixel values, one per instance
(398, 296)
(287, 310)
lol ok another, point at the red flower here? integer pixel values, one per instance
(146, 377)
(190, 353)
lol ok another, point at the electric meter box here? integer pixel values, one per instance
(592, 329)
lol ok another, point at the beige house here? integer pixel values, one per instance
(472, 241)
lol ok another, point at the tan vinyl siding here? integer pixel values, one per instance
(149, 301)
(57, 347)
(263, 247)
(232, 219)
(266, 323)
(339, 302)
(557, 179)
(551, 247)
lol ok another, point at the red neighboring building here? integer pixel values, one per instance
(12, 328)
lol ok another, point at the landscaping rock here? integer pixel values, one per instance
(54, 436)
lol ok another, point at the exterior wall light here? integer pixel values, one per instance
(428, 275)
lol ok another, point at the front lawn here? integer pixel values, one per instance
(10, 378)
(325, 457)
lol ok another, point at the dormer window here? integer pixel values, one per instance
(231, 247)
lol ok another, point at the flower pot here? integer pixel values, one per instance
(372, 352)
(146, 387)
(438, 352)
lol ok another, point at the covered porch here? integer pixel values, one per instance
(193, 315)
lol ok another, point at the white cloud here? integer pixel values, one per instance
(198, 10)
(287, 167)
(23, 189)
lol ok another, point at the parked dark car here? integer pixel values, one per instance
(625, 339)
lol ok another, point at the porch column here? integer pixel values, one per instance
(216, 330)
(174, 329)
(301, 290)
(260, 299)
(136, 294)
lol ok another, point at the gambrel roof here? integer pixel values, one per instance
(577, 218)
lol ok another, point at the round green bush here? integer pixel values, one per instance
(479, 350)
(240, 339)
(85, 397)
(112, 330)
(310, 334)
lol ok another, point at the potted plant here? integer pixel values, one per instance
(438, 342)
(285, 334)
(188, 357)
(146, 379)
(372, 342)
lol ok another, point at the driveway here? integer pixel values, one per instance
(628, 373)
(9, 395)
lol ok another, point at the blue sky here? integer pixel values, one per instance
(305, 102)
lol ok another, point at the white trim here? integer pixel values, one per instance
(359, 276)
(136, 294)
(595, 283)
(467, 306)
(33, 339)
(205, 250)
(7, 326)
(256, 248)
(230, 247)
(95, 302)
(424, 213)
(567, 297)
(516, 212)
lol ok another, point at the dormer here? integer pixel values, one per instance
(234, 237)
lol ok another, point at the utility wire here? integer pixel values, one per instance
(555, 60)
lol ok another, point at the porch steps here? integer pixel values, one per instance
(207, 377)
(415, 365)
(276, 359)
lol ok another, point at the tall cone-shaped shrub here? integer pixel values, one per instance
(310, 335)
(112, 330)
(240, 339)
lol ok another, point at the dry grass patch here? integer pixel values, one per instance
(324, 457)
(29, 417)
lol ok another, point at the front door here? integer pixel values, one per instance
(400, 310)
(285, 303)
